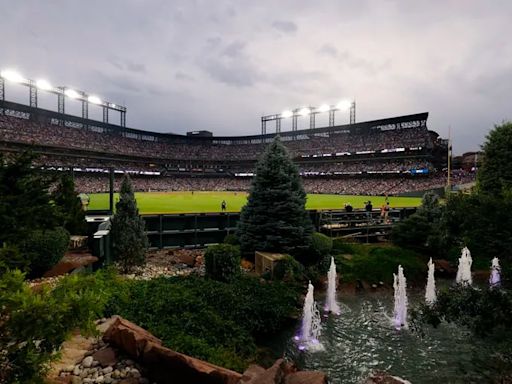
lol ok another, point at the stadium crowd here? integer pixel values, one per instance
(95, 183)
(15, 129)
(166, 165)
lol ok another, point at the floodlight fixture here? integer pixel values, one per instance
(304, 111)
(344, 105)
(71, 93)
(324, 108)
(13, 76)
(94, 100)
(286, 114)
(43, 85)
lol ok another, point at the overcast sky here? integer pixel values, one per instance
(222, 64)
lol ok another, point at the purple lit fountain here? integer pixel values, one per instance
(495, 278)
(464, 271)
(331, 304)
(311, 327)
(430, 291)
(400, 308)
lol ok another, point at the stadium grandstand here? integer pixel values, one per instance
(391, 156)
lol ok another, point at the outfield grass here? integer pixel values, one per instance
(186, 202)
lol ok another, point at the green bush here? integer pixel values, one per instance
(321, 244)
(44, 249)
(34, 323)
(11, 258)
(340, 245)
(231, 239)
(208, 319)
(288, 269)
(377, 263)
(222, 262)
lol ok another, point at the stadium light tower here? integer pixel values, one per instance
(62, 93)
(344, 105)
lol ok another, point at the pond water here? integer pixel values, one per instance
(363, 339)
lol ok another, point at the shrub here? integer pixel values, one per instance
(208, 319)
(11, 258)
(374, 264)
(34, 323)
(340, 245)
(231, 239)
(288, 269)
(321, 244)
(44, 249)
(222, 262)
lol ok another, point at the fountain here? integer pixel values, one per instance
(331, 305)
(464, 271)
(430, 291)
(400, 308)
(495, 278)
(311, 328)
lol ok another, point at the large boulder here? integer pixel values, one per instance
(306, 377)
(167, 366)
(129, 337)
(106, 357)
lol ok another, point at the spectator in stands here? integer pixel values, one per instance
(348, 207)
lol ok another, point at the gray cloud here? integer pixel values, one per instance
(285, 26)
(190, 64)
(328, 50)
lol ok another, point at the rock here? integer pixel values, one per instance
(99, 380)
(77, 370)
(107, 370)
(134, 372)
(306, 377)
(252, 372)
(129, 337)
(108, 379)
(167, 366)
(76, 380)
(106, 357)
(87, 362)
(274, 374)
(130, 380)
(187, 258)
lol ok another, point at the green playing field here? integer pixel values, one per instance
(197, 202)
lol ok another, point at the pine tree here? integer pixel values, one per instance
(129, 240)
(495, 174)
(275, 218)
(25, 203)
(70, 205)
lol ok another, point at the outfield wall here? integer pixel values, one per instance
(202, 229)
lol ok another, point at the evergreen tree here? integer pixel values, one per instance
(70, 205)
(25, 203)
(495, 174)
(275, 218)
(129, 240)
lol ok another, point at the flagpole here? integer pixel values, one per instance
(448, 179)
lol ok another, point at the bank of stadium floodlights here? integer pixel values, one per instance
(62, 93)
(344, 105)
